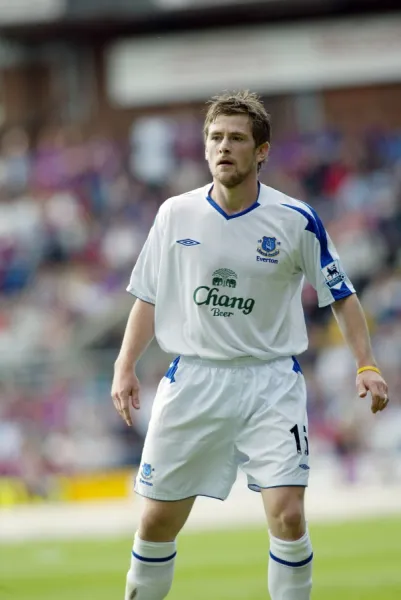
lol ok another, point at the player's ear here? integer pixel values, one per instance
(263, 152)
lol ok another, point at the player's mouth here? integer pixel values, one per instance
(225, 163)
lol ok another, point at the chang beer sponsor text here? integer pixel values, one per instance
(219, 302)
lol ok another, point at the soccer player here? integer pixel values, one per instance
(218, 283)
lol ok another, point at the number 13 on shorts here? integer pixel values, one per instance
(300, 439)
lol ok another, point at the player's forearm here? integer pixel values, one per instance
(138, 334)
(352, 322)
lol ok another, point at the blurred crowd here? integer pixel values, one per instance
(74, 213)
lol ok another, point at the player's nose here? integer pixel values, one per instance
(224, 150)
(224, 145)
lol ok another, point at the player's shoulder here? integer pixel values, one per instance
(193, 196)
(188, 200)
(289, 207)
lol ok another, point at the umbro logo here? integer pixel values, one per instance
(188, 242)
(304, 467)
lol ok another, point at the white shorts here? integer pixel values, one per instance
(210, 418)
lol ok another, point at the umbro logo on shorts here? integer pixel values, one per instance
(304, 467)
(188, 242)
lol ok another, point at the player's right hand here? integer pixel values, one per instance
(125, 391)
(370, 381)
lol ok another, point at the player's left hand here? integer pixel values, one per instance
(370, 381)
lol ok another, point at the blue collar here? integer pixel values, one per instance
(240, 214)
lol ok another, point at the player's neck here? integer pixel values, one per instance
(237, 199)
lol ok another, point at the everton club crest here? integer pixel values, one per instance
(268, 246)
(147, 471)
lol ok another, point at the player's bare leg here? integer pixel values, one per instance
(153, 555)
(290, 562)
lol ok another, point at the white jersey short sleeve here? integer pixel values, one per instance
(144, 279)
(318, 257)
(228, 286)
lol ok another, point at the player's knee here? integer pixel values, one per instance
(158, 525)
(292, 520)
(287, 516)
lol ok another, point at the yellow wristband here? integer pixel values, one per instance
(368, 368)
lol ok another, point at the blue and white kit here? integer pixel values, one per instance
(227, 295)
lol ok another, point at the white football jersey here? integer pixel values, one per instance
(228, 286)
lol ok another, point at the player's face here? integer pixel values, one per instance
(231, 151)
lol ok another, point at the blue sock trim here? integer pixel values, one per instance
(153, 560)
(301, 563)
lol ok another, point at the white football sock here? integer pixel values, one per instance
(290, 569)
(152, 568)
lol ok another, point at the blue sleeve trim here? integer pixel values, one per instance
(315, 226)
(343, 292)
(287, 563)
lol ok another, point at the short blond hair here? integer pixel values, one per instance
(242, 102)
